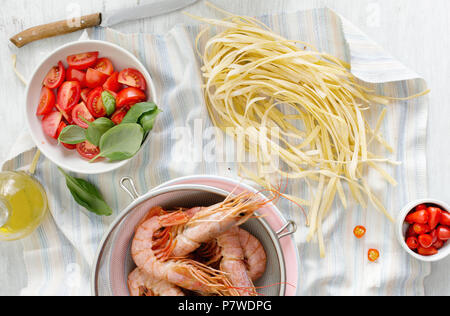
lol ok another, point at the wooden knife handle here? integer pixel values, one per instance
(55, 29)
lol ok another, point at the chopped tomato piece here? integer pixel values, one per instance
(82, 61)
(55, 77)
(443, 233)
(46, 102)
(373, 255)
(359, 231)
(95, 103)
(112, 84)
(80, 111)
(105, 66)
(50, 124)
(85, 94)
(425, 240)
(445, 218)
(69, 95)
(76, 75)
(130, 96)
(412, 243)
(95, 78)
(420, 229)
(427, 251)
(419, 217)
(434, 216)
(87, 150)
(62, 126)
(133, 78)
(421, 207)
(65, 114)
(118, 116)
(438, 244)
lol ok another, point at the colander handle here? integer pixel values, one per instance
(290, 224)
(133, 192)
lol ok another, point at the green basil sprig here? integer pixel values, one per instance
(87, 195)
(97, 128)
(72, 135)
(109, 101)
(139, 109)
(148, 119)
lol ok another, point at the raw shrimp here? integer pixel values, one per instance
(143, 284)
(211, 222)
(254, 255)
(185, 273)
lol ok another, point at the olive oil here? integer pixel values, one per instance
(23, 205)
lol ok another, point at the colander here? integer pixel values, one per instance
(114, 263)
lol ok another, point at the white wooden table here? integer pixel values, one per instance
(416, 32)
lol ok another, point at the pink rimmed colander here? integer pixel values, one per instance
(114, 263)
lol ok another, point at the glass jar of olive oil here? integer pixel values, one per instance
(23, 205)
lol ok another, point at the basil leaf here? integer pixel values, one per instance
(109, 101)
(87, 195)
(121, 142)
(147, 120)
(97, 128)
(72, 135)
(137, 111)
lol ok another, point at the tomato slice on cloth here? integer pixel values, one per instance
(55, 77)
(427, 251)
(112, 84)
(130, 96)
(62, 126)
(118, 116)
(445, 218)
(133, 78)
(412, 243)
(359, 231)
(373, 255)
(87, 150)
(419, 217)
(50, 123)
(425, 241)
(105, 66)
(82, 61)
(73, 74)
(85, 94)
(95, 103)
(443, 233)
(95, 78)
(69, 95)
(81, 111)
(46, 102)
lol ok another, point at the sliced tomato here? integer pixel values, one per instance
(46, 102)
(427, 251)
(373, 255)
(133, 78)
(434, 216)
(104, 65)
(425, 240)
(118, 116)
(445, 218)
(82, 61)
(81, 111)
(65, 114)
(50, 123)
(443, 233)
(130, 96)
(112, 84)
(62, 126)
(420, 229)
(87, 150)
(69, 95)
(95, 103)
(438, 244)
(434, 235)
(85, 94)
(412, 243)
(359, 231)
(419, 217)
(73, 74)
(55, 77)
(95, 78)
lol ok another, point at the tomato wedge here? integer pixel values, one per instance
(419, 217)
(65, 114)
(82, 61)
(85, 94)
(62, 126)
(105, 66)
(420, 229)
(421, 207)
(69, 95)
(445, 218)
(50, 123)
(434, 216)
(133, 78)
(81, 111)
(95, 78)
(425, 240)
(412, 243)
(55, 77)
(427, 251)
(112, 84)
(438, 244)
(443, 233)
(359, 231)
(373, 255)
(130, 96)
(87, 150)
(95, 103)
(118, 116)
(73, 74)
(46, 102)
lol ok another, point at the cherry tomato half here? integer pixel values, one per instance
(66, 115)
(50, 123)
(87, 150)
(425, 241)
(81, 111)
(82, 61)
(118, 116)
(373, 255)
(95, 78)
(420, 229)
(359, 231)
(73, 74)
(62, 126)
(133, 78)
(95, 103)
(419, 217)
(69, 95)
(412, 243)
(130, 96)
(434, 216)
(443, 233)
(427, 251)
(445, 218)
(105, 66)
(46, 102)
(112, 84)
(55, 77)
(85, 94)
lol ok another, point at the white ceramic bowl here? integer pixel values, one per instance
(69, 159)
(402, 228)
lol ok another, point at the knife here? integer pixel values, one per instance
(99, 19)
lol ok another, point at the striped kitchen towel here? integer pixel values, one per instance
(59, 256)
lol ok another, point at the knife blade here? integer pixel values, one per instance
(105, 19)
